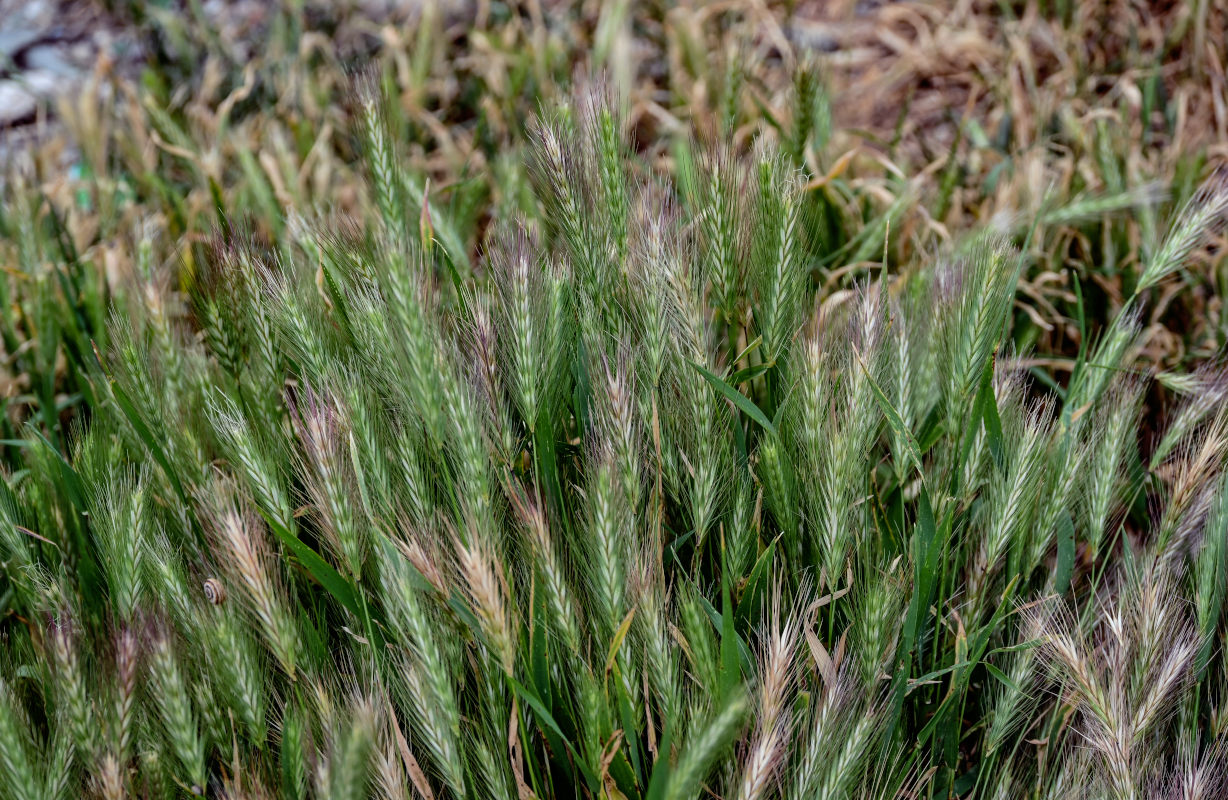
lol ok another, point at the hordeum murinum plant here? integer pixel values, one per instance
(628, 507)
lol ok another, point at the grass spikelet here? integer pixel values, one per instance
(244, 548)
(609, 523)
(123, 705)
(978, 286)
(485, 587)
(822, 732)
(15, 748)
(1203, 215)
(122, 518)
(772, 718)
(780, 251)
(349, 751)
(179, 720)
(1126, 688)
(523, 310)
(706, 745)
(721, 220)
(382, 160)
(322, 433)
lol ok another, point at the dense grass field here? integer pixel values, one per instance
(622, 400)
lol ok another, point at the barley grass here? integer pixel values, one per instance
(638, 504)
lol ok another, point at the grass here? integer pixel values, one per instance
(262, 123)
(579, 459)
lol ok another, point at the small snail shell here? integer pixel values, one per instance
(215, 591)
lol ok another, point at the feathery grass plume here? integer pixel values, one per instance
(722, 222)
(20, 568)
(242, 549)
(812, 441)
(69, 681)
(742, 535)
(438, 723)
(975, 289)
(658, 240)
(1013, 700)
(471, 463)
(389, 777)
(1114, 449)
(173, 699)
(485, 589)
(1199, 777)
(651, 634)
(880, 611)
(593, 715)
(1010, 505)
(139, 375)
(1126, 688)
(1194, 484)
(702, 454)
(322, 431)
(834, 424)
(1202, 216)
(396, 767)
(776, 475)
(617, 424)
(603, 147)
(708, 741)
(347, 760)
(1085, 207)
(826, 725)
(1091, 381)
(395, 330)
(120, 518)
(385, 169)
(530, 352)
(551, 570)
(291, 735)
(699, 643)
(20, 778)
(911, 363)
(168, 580)
(1163, 648)
(248, 450)
(1066, 461)
(1205, 392)
(811, 112)
(492, 767)
(154, 295)
(237, 666)
(217, 723)
(773, 720)
(60, 764)
(1210, 574)
(301, 329)
(427, 677)
(845, 770)
(108, 779)
(779, 250)
(563, 185)
(122, 719)
(481, 347)
(213, 291)
(610, 519)
(415, 496)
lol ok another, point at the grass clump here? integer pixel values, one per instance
(631, 506)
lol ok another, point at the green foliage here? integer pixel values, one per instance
(632, 507)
